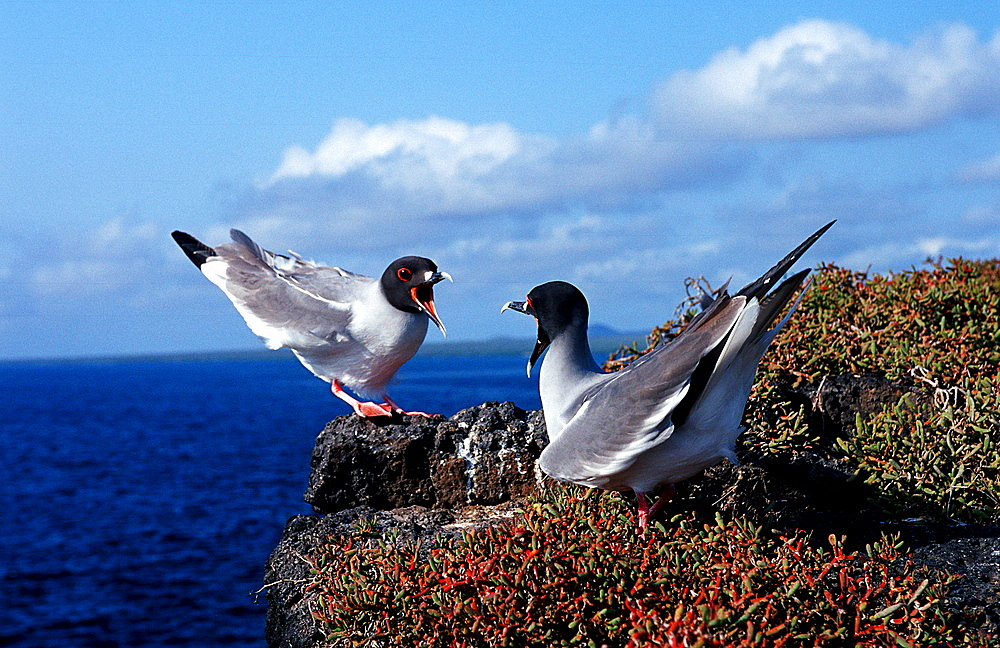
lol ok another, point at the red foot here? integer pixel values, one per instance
(643, 511)
(364, 410)
(399, 410)
(424, 414)
(372, 410)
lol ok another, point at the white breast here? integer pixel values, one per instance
(378, 340)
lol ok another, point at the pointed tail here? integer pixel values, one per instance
(195, 250)
(772, 305)
(760, 287)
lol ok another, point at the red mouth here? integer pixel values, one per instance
(423, 296)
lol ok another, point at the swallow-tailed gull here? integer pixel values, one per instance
(670, 414)
(348, 329)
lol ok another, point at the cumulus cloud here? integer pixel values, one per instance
(814, 79)
(433, 166)
(982, 171)
(412, 172)
(408, 153)
(825, 79)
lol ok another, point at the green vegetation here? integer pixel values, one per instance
(933, 452)
(573, 572)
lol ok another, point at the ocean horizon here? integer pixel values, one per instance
(603, 340)
(143, 495)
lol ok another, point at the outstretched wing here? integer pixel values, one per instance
(286, 301)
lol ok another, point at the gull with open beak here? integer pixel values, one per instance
(350, 330)
(670, 414)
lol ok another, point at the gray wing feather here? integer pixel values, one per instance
(280, 292)
(605, 437)
(325, 283)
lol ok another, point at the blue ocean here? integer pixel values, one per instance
(140, 499)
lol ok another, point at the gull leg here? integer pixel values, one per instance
(646, 512)
(393, 407)
(362, 409)
(643, 511)
(665, 496)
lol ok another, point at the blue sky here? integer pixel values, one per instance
(621, 148)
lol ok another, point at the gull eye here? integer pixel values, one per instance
(404, 274)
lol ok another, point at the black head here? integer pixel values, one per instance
(408, 284)
(556, 306)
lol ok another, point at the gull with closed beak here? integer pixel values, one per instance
(670, 414)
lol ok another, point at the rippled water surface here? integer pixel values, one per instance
(140, 499)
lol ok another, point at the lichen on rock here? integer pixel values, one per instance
(483, 455)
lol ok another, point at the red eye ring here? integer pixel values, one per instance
(404, 274)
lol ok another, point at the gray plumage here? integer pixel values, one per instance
(348, 329)
(670, 414)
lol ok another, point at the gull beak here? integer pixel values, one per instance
(542, 341)
(520, 307)
(423, 296)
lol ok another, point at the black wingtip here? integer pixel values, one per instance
(772, 305)
(760, 287)
(195, 250)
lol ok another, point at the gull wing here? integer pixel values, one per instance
(286, 301)
(759, 287)
(629, 413)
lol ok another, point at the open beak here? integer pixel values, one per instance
(423, 296)
(542, 342)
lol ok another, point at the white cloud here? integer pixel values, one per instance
(407, 153)
(116, 254)
(812, 79)
(412, 168)
(119, 237)
(982, 171)
(988, 215)
(643, 265)
(825, 79)
(404, 175)
(626, 209)
(77, 278)
(901, 255)
(932, 246)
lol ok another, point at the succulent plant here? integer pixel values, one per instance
(572, 572)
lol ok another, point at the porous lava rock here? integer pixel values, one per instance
(419, 477)
(483, 455)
